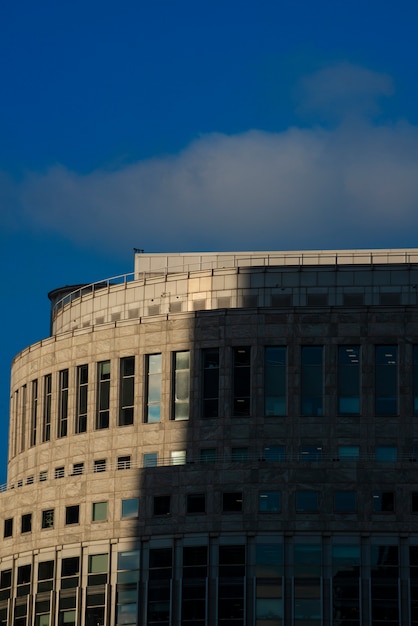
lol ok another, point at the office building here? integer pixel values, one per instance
(219, 439)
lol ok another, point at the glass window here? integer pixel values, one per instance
(386, 454)
(153, 367)
(345, 501)
(311, 454)
(231, 587)
(81, 403)
(99, 465)
(312, 380)
(78, 468)
(26, 523)
(274, 453)
(239, 454)
(210, 392)
(59, 472)
(63, 404)
(383, 501)
(127, 391)
(130, 508)
(8, 527)
(151, 459)
(46, 576)
(269, 501)
(414, 502)
(48, 518)
(232, 502)
(242, 381)
(348, 453)
(208, 455)
(161, 505)
(46, 426)
(181, 385)
(415, 380)
(103, 395)
(275, 380)
(99, 511)
(70, 568)
(124, 462)
(72, 514)
(196, 503)
(349, 380)
(34, 413)
(97, 569)
(307, 501)
(178, 457)
(194, 587)
(386, 393)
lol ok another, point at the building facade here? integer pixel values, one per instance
(219, 439)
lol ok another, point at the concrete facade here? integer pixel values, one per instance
(219, 439)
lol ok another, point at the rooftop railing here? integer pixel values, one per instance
(226, 261)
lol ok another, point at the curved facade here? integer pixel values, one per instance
(219, 439)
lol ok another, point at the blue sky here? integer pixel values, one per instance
(187, 125)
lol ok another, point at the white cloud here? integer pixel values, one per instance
(353, 186)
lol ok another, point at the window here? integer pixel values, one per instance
(348, 453)
(153, 368)
(239, 455)
(414, 502)
(26, 526)
(195, 571)
(59, 472)
(345, 502)
(181, 386)
(241, 381)
(196, 503)
(386, 392)
(78, 468)
(48, 518)
(232, 502)
(151, 459)
(72, 514)
(307, 501)
(81, 401)
(23, 580)
(5, 585)
(178, 457)
(311, 454)
(274, 453)
(383, 502)
(208, 455)
(210, 391)
(46, 429)
(46, 576)
(160, 585)
(8, 527)
(415, 380)
(124, 462)
(99, 465)
(23, 417)
(231, 585)
(130, 508)
(97, 569)
(103, 395)
(63, 404)
(269, 501)
(269, 591)
(312, 380)
(275, 381)
(127, 391)
(99, 512)
(349, 380)
(34, 413)
(386, 454)
(43, 476)
(161, 505)
(70, 569)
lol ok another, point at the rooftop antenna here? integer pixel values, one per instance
(138, 251)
